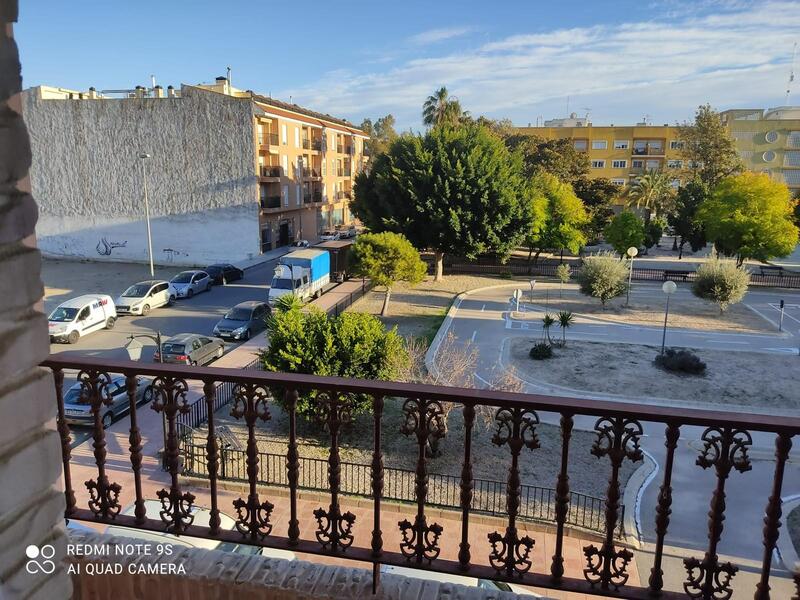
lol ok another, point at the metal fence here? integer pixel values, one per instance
(489, 497)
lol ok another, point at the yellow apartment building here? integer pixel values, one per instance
(768, 141)
(619, 153)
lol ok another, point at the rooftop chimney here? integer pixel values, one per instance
(139, 91)
(158, 92)
(170, 91)
(92, 93)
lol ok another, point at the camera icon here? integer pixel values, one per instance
(40, 559)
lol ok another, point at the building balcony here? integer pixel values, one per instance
(270, 202)
(432, 523)
(649, 151)
(270, 172)
(339, 148)
(268, 139)
(316, 145)
(306, 144)
(348, 149)
(340, 172)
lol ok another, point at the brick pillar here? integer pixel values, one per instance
(31, 503)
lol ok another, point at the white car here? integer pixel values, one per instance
(73, 319)
(301, 244)
(142, 297)
(329, 235)
(188, 283)
(488, 584)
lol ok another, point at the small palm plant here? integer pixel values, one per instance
(565, 319)
(547, 322)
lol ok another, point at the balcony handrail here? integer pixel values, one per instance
(497, 398)
(726, 440)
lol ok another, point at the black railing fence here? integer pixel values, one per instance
(536, 503)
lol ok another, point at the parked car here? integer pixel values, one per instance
(78, 411)
(347, 232)
(487, 584)
(301, 244)
(142, 297)
(243, 320)
(189, 349)
(329, 235)
(223, 272)
(73, 319)
(188, 283)
(202, 518)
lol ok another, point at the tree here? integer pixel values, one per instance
(653, 231)
(352, 345)
(709, 153)
(721, 281)
(684, 219)
(547, 322)
(557, 157)
(565, 217)
(441, 108)
(653, 191)
(624, 231)
(563, 272)
(597, 196)
(454, 190)
(386, 258)
(750, 216)
(381, 134)
(565, 320)
(603, 276)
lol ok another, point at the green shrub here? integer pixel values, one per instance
(351, 345)
(603, 276)
(624, 230)
(721, 281)
(541, 351)
(563, 272)
(680, 361)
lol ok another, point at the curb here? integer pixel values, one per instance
(634, 488)
(784, 545)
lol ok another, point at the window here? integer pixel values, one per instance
(637, 164)
(324, 192)
(792, 177)
(793, 139)
(620, 164)
(285, 165)
(333, 167)
(599, 144)
(84, 314)
(285, 194)
(653, 165)
(298, 194)
(675, 144)
(284, 135)
(324, 162)
(598, 164)
(621, 144)
(790, 159)
(579, 144)
(618, 181)
(674, 164)
(296, 137)
(771, 136)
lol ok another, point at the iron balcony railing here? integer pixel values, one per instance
(504, 555)
(270, 171)
(339, 148)
(270, 202)
(268, 138)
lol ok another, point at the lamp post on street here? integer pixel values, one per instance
(668, 288)
(144, 157)
(631, 252)
(134, 350)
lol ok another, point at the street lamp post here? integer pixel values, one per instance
(134, 350)
(668, 288)
(631, 252)
(143, 156)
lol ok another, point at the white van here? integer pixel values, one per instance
(80, 316)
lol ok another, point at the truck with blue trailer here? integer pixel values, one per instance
(302, 273)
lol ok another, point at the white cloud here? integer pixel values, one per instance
(433, 36)
(731, 56)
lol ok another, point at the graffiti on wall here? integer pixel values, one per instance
(171, 253)
(104, 247)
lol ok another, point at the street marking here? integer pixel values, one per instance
(726, 342)
(762, 315)
(783, 350)
(785, 314)
(482, 307)
(474, 333)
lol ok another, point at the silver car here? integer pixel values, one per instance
(189, 349)
(78, 411)
(188, 283)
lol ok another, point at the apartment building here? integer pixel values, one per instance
(229, 173)
(619, 153)
(768, 140)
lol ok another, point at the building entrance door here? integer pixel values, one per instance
(283, 235)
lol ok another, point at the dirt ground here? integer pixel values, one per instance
(628, 369)
(419, 310)
(685, 310)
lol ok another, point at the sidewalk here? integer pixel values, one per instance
(249, 263)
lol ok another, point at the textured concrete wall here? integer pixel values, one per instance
(89, 182)
(31, 503)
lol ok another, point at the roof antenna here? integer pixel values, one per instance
(229, 76)
(791, 76)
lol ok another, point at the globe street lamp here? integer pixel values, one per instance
(134, 350)
(144, 157)
(631, 252)
(668, 288)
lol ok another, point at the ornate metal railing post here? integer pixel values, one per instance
(377, 476)
(466, 486)
(724, 449)
(103, 496)
(169, 397)
(135, 439)
(250, 401)
(212, 451)
(517, 428)
(617, 438)
(664, 510)
(334, 528)
(562, 498)
(66, 440)
(425, 419)
(292, 466)
(772, 517)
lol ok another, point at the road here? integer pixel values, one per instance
(482, 319)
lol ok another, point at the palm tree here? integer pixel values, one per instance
(547, 322)
(565, 319)
(652, 190)
(441, 108)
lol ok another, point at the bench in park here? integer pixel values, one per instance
(771, 270)
(683, 275)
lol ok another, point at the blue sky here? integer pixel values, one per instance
(517, 59)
